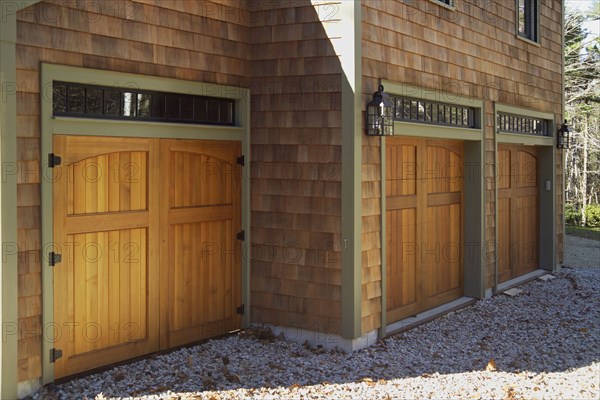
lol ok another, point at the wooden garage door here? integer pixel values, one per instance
(518, 211)
(424, 189)
(200, 254)
(105, 287)
(147, 233)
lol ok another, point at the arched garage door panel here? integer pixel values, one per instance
(147, 233)
(104, 289)
(200, 255)
(424, 189)
(518, 211)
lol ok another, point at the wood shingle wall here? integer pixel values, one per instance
(296, 167)
(471, 51)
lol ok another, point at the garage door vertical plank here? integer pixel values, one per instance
(424, 281)
(114, 294)
(103, 290)
(166, 312)
(151, 190)
(113, 182)
(132, 261)
(125, 288)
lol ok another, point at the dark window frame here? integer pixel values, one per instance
(527, 19)
(408, 109)
(139, 105)
(522, 124)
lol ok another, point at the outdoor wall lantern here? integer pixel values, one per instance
(380, 114)
(563, 136)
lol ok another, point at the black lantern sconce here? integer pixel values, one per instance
(563, 136)
(380, 114)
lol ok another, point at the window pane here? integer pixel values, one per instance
(94, 101)
(521, 22)
(187, 108)
(59, 98)
(226, 112)
(158, 106)
(76, 100)
(129, 104)
(200, 110)
(143, 105)
(173, 107)
(111, 103)
(213, 110)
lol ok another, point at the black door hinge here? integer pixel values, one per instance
(241, 160)
(54, 258)
(240, 310)
(241, 235)
(55, 354)
(53, 160)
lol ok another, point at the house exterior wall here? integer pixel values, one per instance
(471, 51)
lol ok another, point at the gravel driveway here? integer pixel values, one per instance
(542, 344)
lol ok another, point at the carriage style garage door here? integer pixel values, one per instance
(146, 229)
(518, 211)
(424, 190)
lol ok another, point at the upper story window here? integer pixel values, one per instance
(93, 101)
(527, 19)
(448, 2)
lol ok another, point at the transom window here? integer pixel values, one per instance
(527, 19)
(91, 101)
(431, 112)
(513, 123)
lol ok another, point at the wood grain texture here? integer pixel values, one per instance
(424, 224)
(518, 211)
(105, 288)
(201, 257)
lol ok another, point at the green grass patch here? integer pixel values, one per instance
(587, 233)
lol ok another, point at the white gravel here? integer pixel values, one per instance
(544, 343)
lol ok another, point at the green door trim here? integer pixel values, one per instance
(101, 127)
(8, 199)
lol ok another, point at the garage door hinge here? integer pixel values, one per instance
(55, 354)
(54, 258)
(241, 235)
(241, 160)
(53, 160)
(240, 310)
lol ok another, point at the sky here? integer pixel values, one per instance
(584, 5)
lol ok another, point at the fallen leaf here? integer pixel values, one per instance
(491, 366)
